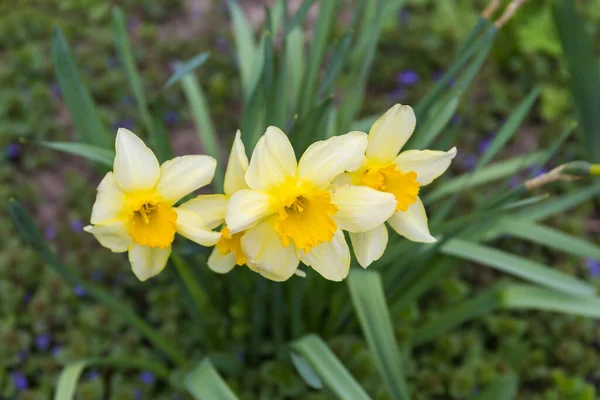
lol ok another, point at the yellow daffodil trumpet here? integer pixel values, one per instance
(135, 205)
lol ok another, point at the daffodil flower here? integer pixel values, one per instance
(134, 209)
(402, 175)
(228, 250)
(291, 212)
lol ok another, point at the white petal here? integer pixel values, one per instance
(412, 224)
(135, 166)
(210, 207)
(191, 226)
(110, 201)
(369, 246)
(390, 132)
(265, 253)
(361, 208)
(147, 262)
(428, 164)
(273, 161)
(235, 175)
(246, 208)
(330, 259)
(182, 175)
(113, 235)
(220, 263)
(326, 159)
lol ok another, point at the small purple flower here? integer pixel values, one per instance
(470, 160)
(27, 297)
(147, 377)
(514, 182)
(55, 90)
(92, 375)
(484, 144)
(397, 94)
(79, 291)
(455, 120)
(137, 394)
(50, 232)
(19, 380)
(593, 267)
(13, 151)
(437, 74)
(407, 77)
(56, 350)
(125, 123)
(536, 171)
(97, 275)
(42, 341)
(222, 45)
(170, 117)
(77, 225)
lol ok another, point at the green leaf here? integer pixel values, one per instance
(369, 302)
(78, 100)
(294, 63)
(204, 124)
(205, 383)
(510, 127)
(299, 16)
(518, 266)
(335, 64)
(93, 153)
(246, 51)
(185, 68)
(34, 238)
(501, 388)
(531, 297)
(582, 64)
(333, 374)
(67, 380)
(306, 372)
(434, 126)
(457, 315)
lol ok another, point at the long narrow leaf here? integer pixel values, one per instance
(331, 371)
(185, 68)
(369, 302)
(245, 46)
(100, 155)
(205, 383)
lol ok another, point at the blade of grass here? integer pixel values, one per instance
(294, 64)
(331, 371)
(299, 16)
(306, 372)
(335, 64)
(100, 155)
(366, 292)
(78, 100)
(185, 68)
(518, 266)
(205, 383)
(245, 46)
(34, 238)
(160, 139)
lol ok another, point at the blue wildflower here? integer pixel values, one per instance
(50, 232)
(42, 341)
(170, 117)
(407, 77)
(79, 291)
(13, 151)
(147, 377)
(19, 380)
(77, 225)
(593, 267)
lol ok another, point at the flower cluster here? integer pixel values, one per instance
(276, 211)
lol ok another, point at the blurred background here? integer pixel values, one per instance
(44, 323)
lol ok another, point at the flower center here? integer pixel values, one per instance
(306, 219)
(403, 186)
(229, 243)
(153, 224)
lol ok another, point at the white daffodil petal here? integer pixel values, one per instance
(324, 160)
(390, 132)
(113, 235)
(330, 259)
(412, 224)
(235, 175)
(361, 208)
(428, 164)
(369, 246)
(210, 207)
(191, 226)
(182, 175)
(220, 263)
(246, 208)
(147, 262)
(110, 201)
(273, 161)
(266, 255)
(135, 165)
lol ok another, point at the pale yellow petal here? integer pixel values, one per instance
(273, 161)
(330, 259)
(412, 224)
(361, 208)
(220, 263)
(390, 132)
(110, 201)
(428, 164)
(235, 175)
(147, 262)
(191, 226)
(324, 160)
(113, 235)
(265, 253)
(182, 175)
(135, 167)
(246, 208)
(369, 246)
(210, 207)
